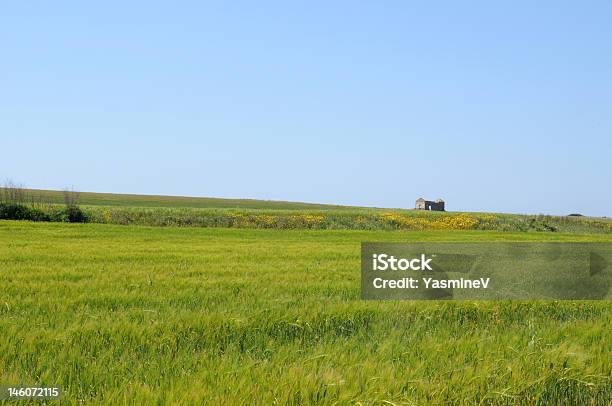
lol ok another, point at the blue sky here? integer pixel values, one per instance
(493, 106)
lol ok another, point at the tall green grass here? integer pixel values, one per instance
(150, 315)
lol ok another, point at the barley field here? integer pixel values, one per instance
(119, 314)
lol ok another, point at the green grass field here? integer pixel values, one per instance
(155, 315)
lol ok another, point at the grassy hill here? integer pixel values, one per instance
(129, 209)
(132, 200)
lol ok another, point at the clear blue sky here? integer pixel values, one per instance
(493, 106)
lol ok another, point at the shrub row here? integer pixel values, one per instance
(16, 211)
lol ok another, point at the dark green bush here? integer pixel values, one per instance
(75, 214)
(37, 214)
(14, 211)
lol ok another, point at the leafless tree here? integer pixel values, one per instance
(13, 193)
(71, 197)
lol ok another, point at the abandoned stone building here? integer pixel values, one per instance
(422, 204)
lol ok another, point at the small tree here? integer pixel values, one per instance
(71, 197)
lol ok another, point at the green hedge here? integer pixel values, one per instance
(16, 211)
